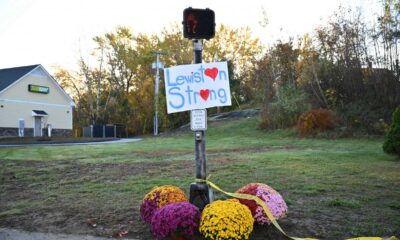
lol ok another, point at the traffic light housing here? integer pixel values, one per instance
(198, 23)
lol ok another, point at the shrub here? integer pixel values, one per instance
(226, 220)
(159, 197)
(264, 121)
(392, 140)
(363, 118)
(286, 107)
(316, 120)
(269, 196)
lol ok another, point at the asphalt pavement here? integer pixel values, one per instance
(13, 234)
(122, 140)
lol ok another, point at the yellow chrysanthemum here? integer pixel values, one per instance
(226, 219)
(165, 195)
(159, 197)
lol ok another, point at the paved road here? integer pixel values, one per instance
(12, 234)
(122, 140)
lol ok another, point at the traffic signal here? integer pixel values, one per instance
(198, 23)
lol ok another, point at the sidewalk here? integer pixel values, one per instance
(122, 140)
(12, 234)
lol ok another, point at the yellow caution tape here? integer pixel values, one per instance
(373, 238)
(366, 238)
(269, 214)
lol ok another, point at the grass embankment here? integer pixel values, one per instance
(334, 188)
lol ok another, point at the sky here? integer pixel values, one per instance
(57, 32)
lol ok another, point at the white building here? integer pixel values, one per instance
(32, 100)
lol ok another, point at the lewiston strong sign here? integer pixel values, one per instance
(197, 86)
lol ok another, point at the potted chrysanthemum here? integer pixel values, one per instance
(159, 197)
(226, 220)
(269, 196)
(176, 221)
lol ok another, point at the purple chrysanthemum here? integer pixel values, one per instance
(176, 219)
(147, 209)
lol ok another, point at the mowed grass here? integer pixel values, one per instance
(334, 188)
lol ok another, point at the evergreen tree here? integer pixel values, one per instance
(392, 140)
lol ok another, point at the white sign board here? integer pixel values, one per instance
(197, 86)
(198, 120)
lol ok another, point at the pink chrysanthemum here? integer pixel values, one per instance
(271, 198)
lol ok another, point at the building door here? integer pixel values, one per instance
(37, 131)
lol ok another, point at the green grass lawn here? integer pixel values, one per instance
(334, 188)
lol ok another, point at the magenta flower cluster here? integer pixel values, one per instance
(274, 201)
(159, 197)
(270, 197)
(147, 209)
(176, 220)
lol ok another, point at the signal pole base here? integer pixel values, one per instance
(200, 195)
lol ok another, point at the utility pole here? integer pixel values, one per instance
(156, 65)
(216, 60)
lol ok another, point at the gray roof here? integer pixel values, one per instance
(10, 75)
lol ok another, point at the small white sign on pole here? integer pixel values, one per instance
(197, 86)
(198, 120)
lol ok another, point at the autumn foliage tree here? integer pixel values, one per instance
(346, 65)
(117, 85)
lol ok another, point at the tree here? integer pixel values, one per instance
(392, 140)
(236, 46)
(120, 88)
(240, 49)
(386, 35)
(86, 86)
(306, 71)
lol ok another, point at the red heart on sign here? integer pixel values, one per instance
(211, 72)
(204, 94)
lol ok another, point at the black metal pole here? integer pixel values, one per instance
(200, 145)
(200, 193)
(200, 154)
(197, 50)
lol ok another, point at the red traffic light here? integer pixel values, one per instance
(198, 23)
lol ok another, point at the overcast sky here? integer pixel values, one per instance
(55, 32)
